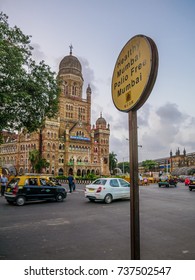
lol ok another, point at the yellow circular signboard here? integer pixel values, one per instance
(134, 73)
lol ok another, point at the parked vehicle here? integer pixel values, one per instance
(192, 183)
(167, 181)
(107, 189)
(32, 187)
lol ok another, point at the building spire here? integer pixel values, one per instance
(71, 47)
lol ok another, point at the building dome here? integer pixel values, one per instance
(70, 65)
(101, 122)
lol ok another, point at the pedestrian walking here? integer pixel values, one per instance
(4, 182)
(74, 185)
(71, 182)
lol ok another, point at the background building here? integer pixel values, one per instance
(69, 143)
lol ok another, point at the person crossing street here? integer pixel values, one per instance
(4, 182)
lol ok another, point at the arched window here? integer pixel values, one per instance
(74, 89)
(72, 159)
(21, 159)
(86, 159)
(61, 171)
(79, 159)
(65, 88)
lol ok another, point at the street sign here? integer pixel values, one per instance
(134, 73)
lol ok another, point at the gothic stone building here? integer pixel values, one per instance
(69, 143)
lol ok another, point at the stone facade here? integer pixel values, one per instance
(69, 143)
(180, 163)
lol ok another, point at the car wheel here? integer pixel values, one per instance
(59, 197)
(108, 199)
(20, 200)
(190, 189)
(91, 199)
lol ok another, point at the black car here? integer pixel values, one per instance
(192, 183)
(30, 188)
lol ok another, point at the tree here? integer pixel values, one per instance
(112, 161)
(149, 165)
(33, 157)
(28, 92)
(42, 163)
(37, 161)
(124, 166)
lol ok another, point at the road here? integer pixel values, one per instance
(79, 229)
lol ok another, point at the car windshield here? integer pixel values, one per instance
(13, 182)
(99, 182)
(44, 182)
(164, 178)
(54, 181)
(124, 183)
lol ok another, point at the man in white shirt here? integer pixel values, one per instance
(4, 182)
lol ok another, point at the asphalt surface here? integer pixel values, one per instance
(77, 229)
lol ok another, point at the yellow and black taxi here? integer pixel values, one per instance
(32, 187)
(167, 181)
(192, 183)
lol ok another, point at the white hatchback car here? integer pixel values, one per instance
(107, 189)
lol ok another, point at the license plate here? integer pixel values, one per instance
(8, 190)
(91, 190)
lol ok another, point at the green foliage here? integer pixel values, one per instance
(191, 171)
(33, 157)
(112, 162)
(28, 92)
(37, 162)
(149, 165)
(124, 166)
(91, 176)
(41, 163)
(61, 177)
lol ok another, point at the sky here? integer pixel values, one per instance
(98, 30)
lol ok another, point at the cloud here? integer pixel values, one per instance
(171, 114)
(88, 75)
(143, 114)
(159, 130)
(37, 53)
(168, 129)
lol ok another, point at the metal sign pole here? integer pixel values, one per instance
(134, 187)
